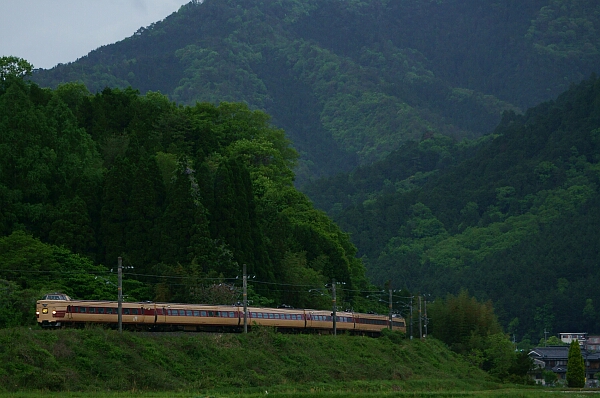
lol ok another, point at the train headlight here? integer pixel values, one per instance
(44, 310)
(53, 312)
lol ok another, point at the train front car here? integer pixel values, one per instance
(51, 310)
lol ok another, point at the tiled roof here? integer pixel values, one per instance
(552, 352)
(560, 352)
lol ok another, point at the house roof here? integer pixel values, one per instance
(560, 353)
(551, 352)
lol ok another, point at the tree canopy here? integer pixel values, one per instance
(184, 194)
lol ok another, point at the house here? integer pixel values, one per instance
(555, 358)
(592, 343)
(568, 337)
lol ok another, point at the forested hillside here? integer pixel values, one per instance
(185, 194)
(512, 218)
(349, 81)
(392, 86)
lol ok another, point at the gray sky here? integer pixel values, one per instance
(48, 32)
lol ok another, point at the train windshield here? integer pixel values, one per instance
(56, 296)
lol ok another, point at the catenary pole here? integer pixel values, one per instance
(391, 325)
(120, 293)
(420, 320)
(334, 308)
(245, 295)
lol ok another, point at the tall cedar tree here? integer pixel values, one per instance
(185, 236)
(575, 367)
(144, 211)
(72, 227)
(114, 217)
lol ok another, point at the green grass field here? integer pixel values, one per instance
(96, 362)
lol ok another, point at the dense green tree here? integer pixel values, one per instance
(145, 208)
(38, 268)
(181, 193)
(575, 367)
(72, 227)
(459, 321)
(12, 68)
(114, 216)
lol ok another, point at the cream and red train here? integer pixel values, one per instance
(59, 310)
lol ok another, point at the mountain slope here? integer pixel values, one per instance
(350, 81)
(512, 218)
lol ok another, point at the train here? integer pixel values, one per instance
(58, 310)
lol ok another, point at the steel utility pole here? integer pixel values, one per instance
(411, 316)
(420, 320)
(334, 308)
(245, 299)
(391, 324)
(425, 318)
(120, 293)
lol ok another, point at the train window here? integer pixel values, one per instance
(231, 314)
(260, 314)
(211, 313)
(202, 313)
(100, 310)
(276, 316)
(188, 312)
(271, 316)
(196, 313)
(91, 310)
(125, 311)
(134, 311)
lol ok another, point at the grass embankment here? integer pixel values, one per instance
(103, 360)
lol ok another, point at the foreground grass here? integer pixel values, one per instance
(103, 363)
(503, 393)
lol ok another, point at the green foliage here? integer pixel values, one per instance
(507, 217)
(181, 193)
(470, 328)
(575, 367)
(13, 68)
(31, 268)
(461, 321)
(351, 81)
